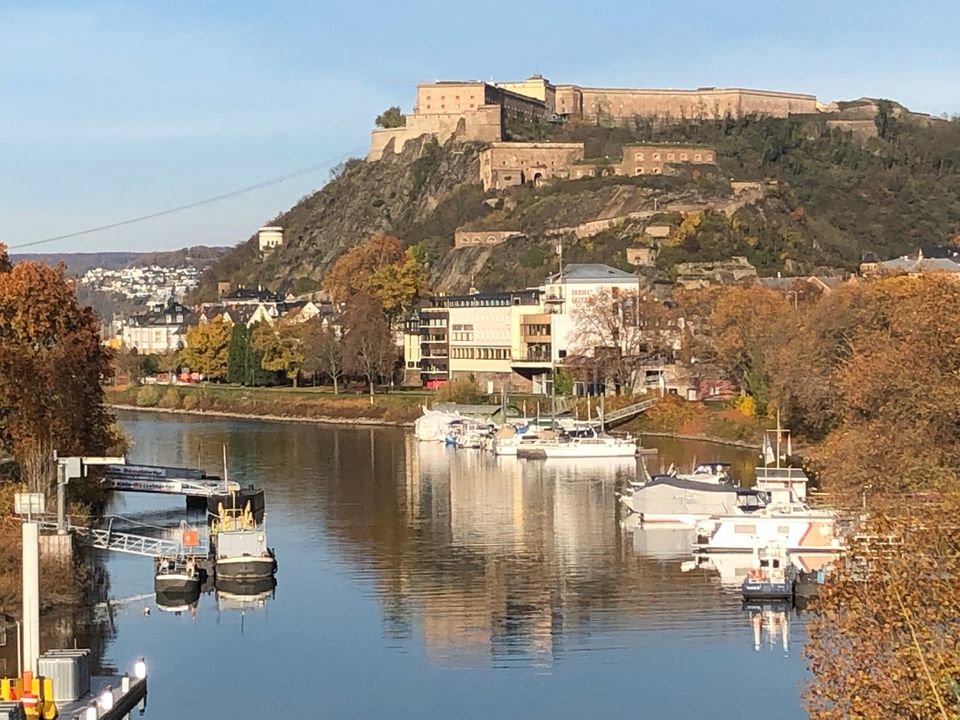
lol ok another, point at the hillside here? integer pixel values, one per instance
(78, 263)
(825, 189)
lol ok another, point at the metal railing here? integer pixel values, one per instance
(129, 543)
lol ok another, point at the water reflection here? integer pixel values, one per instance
(404, 560)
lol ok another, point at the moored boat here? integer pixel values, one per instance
(176, 575)
(678, 501)
(798, 527)
(772, 576)
(242, 553)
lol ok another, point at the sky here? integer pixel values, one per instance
(112, 110)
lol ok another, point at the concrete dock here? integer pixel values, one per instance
(125, 701)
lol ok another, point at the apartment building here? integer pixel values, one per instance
(510, 340)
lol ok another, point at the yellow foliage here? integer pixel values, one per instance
(746, 405)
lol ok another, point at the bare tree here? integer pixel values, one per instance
(323, 349)
(615, 330)
(368, 344)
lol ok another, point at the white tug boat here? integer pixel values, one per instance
(177, 575)
(242, 554)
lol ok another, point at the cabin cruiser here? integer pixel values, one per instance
(582, 443)
(798, 527)
(682, 502)
(710, 472)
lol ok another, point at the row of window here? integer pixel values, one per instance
(697, 157)
(462, 336)
(481, 353)
(535, 330)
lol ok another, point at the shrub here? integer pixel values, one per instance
(461, 390)
(190, 401)
(148, 396)
(170, 399)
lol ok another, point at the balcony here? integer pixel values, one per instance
(535, 356)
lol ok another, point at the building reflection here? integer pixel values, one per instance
(483, 559)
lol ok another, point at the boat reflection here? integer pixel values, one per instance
(772, 620)
(233, 595)
(178, 602)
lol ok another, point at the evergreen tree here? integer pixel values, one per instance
(237, 352)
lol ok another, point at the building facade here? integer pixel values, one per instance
(161, 330)
(476, 110)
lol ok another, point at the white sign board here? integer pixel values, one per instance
(29, 503)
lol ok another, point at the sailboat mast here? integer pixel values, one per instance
(226, 479)
(779, 432)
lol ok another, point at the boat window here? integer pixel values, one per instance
(744, 529)
(783, 529)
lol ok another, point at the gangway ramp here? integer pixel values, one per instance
(165, 481)
(130, 543)
(628, 413)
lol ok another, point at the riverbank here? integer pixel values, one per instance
(300, 405)
(321, 420)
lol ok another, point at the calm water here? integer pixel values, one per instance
(422, 582)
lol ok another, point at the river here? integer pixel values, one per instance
(427, 582)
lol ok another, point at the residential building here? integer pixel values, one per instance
(510, 340)
(163, 329)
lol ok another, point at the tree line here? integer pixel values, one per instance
(866, 376)
(371, 286)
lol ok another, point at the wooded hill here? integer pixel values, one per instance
(829, 196)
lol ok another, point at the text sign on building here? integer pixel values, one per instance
(29, 503)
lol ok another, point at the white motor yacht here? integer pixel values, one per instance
(682, 502)
(798, 527)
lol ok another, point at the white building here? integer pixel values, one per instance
(269, 238)
(159, 331)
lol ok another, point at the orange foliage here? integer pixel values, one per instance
(51, 366)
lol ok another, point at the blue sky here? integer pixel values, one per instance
(110, 110)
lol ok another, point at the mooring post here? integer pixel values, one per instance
(61, 498)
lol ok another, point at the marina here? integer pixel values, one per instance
(414, 562)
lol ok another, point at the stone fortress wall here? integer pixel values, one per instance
(476, 110)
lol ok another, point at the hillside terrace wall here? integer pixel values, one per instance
(647, 160)
(619, 103)
(475, 238)
(505, 164)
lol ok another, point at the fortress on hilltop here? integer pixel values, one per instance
(476, 110)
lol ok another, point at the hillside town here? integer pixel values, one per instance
(149, 285)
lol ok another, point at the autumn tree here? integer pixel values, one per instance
(280, 348)
(382, 267)
(397, 285)
(747, 327)
(51, 367)
(884, 640)
(369, 349)
(206, 349)
(323, 350)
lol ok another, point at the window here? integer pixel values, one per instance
(640, 157)
(639, 171)
(709, 157)
(745, 529)
(670, 156)
(683, 156)
(656, 156)
(697, 157)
